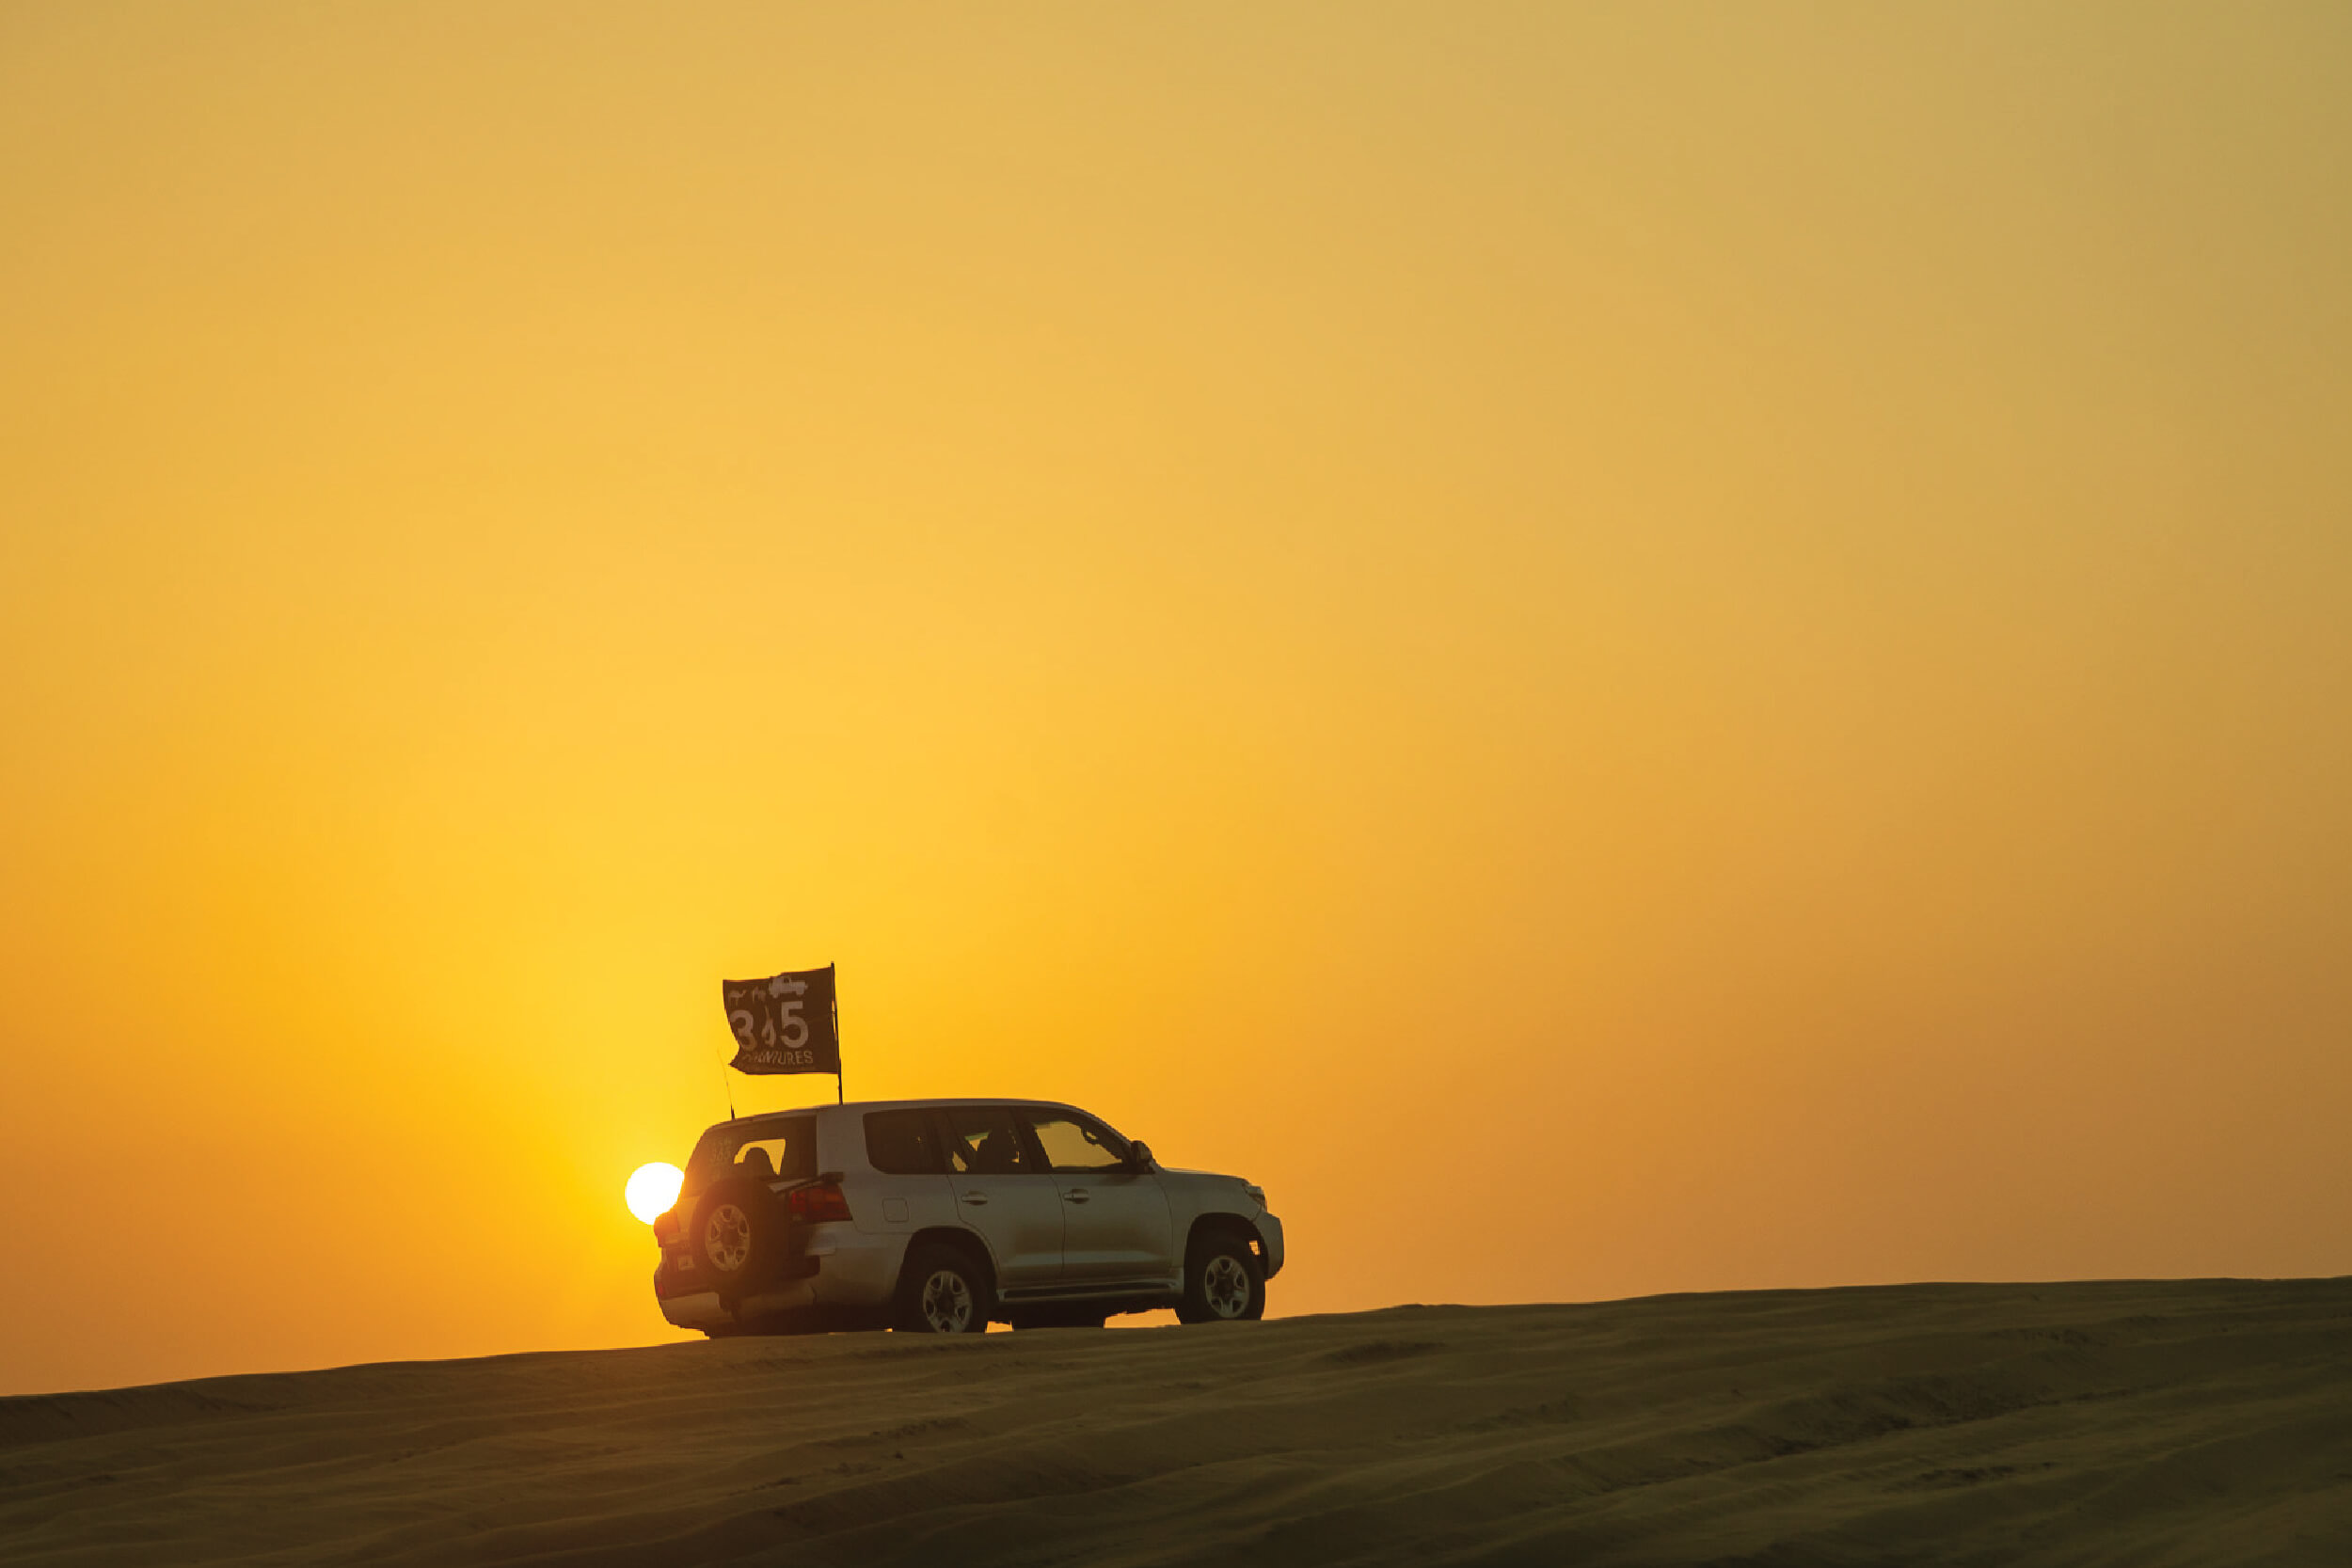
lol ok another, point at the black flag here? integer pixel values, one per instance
(785, 1024)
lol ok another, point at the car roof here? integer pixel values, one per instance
(898, 1105)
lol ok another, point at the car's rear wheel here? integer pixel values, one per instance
(942, 1291)
(1224, 1281)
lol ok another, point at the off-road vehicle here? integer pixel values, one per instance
(941, 1215)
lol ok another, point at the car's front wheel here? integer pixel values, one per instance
(942, 1291)
(1224, 1281)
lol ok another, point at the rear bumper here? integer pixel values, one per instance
(701, 1310)
(707, 1310)
(845, 1268)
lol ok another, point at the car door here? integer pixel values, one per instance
(1005, 1194)
(1114, 1219)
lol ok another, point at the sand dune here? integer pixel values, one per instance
(2204, 1422)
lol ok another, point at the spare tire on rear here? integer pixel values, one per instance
(737, 1236)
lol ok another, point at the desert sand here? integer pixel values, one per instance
(2140, 1423)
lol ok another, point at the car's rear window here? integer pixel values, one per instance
(786, 1145)
(903, 1143)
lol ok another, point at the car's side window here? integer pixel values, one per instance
(981, 1141)
(1075, 1145)
(903, 1143)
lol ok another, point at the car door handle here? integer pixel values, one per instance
(1078, 1196)
(976, 1198)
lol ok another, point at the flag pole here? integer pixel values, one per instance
(840, 1094)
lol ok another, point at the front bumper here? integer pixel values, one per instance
(1270, 1232)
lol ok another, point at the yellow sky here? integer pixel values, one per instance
(1619, 649)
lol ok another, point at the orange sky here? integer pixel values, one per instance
(1619, 649)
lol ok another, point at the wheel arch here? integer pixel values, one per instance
(1222, 1223)
(953, 1236)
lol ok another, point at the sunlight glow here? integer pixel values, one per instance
(653, 1189)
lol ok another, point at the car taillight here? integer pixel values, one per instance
(819, 1200)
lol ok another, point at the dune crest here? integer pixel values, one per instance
(2179, 1422)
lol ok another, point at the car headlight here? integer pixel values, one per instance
(1257, 1194)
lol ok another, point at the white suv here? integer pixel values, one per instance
(938, 1215)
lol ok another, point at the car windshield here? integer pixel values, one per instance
(780, 1146)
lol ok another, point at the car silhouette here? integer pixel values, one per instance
(941, 1216)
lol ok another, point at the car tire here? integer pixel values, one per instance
(942, 1291)
(736, 1237)
(1224, 1281)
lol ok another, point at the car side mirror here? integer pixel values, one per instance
(1139, 1155)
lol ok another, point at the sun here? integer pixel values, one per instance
(653, 1189)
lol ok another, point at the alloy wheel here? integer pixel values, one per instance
(727, 1237)
(946, 1303)
(1225, 1286)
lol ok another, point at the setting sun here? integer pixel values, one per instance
(653, 1188)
